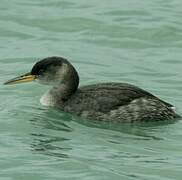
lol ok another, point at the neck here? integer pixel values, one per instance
(62, 92)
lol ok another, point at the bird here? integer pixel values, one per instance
(107, 101)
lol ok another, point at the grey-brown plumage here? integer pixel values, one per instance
(119, 102)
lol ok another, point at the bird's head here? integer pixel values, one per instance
(50, 71)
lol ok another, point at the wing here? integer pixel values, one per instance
(105, 97)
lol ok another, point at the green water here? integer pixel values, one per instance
(133, 41)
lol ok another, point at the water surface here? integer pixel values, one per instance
(132, 41)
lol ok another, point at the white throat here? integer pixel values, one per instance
(54, 96)
(47, 100)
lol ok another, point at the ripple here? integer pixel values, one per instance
(132, 41)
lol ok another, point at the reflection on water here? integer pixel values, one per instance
(56, 125)
(49, 144)
(43, 144)
(52, 119)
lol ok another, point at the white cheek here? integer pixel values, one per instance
(41, 81)
(45, 81)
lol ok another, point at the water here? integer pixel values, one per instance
(123, 41)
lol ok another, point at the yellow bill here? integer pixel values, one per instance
(21, 79)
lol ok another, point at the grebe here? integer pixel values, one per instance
(119, 102)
